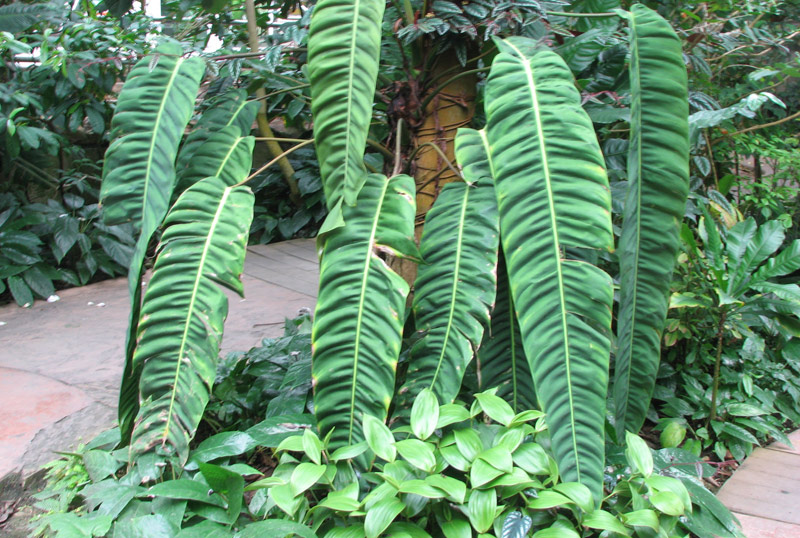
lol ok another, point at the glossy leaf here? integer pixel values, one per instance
(481, 508)
(424, 414)
(455, 287)
(358, 321)
(183, 312)
(516, 525)
(343, 51)
(152, 111)
(553, 197)
(658, 179)
(380, 515)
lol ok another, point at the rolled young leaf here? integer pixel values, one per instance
(183, 312)
(359, 315)
(455, 287)
(658, 179)
(343, 51)
(552, 195)
(152, 111)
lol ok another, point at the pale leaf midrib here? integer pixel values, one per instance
(361, 301)
(190, 309)
(635, 83)
(156, 127)
(559, 272)
(454, 288)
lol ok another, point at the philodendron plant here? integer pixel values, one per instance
(535, 196)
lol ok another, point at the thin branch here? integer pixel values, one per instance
(383, 151)
(398, 165)
(276, 159)
(444, 84)
(441, 154)
(587, 15)
(277, 139)
(762, 126)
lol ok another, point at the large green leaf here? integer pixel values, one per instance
(758, 247)
(225, 154)
(658, 179)
(501, 357)
(343, 51)
(360, 308)
(153, 109)
(552, 195)
(232, 109)
(183, 312)
(455, 287)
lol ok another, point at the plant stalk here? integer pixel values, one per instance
(261, 118)
(712, 414)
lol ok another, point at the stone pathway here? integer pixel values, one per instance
(764, 492)
(60, 363)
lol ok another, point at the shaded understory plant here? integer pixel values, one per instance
(735, 321)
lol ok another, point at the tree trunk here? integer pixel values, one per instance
(452, 107)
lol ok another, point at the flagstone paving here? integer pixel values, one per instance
(61, 362)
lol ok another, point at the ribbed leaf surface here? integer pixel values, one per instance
(455, 287)
(183, 312)
(552, 194)
(360, 308)
(658, 178)
(225, 154)
(502, 361)
(343, 52)
(153, 109)
(232, 109)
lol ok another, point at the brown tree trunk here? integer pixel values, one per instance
(452, 107)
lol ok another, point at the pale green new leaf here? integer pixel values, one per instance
(152, 111)
(225, 154)
(343, 51)
(455, 287)
(359, 315)
(183, 312)
(658, 179)
(230, 110)
(553, 195)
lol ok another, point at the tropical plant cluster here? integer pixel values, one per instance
(574, 162)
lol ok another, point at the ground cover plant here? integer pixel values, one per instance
(513, 304)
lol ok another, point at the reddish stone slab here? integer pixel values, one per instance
(30, 403)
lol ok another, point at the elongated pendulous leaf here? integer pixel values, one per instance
(455, 287)
(153, 109)
(552, 195)
(343, 52)
(183, 312)
(658, 178)
(360, 308)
